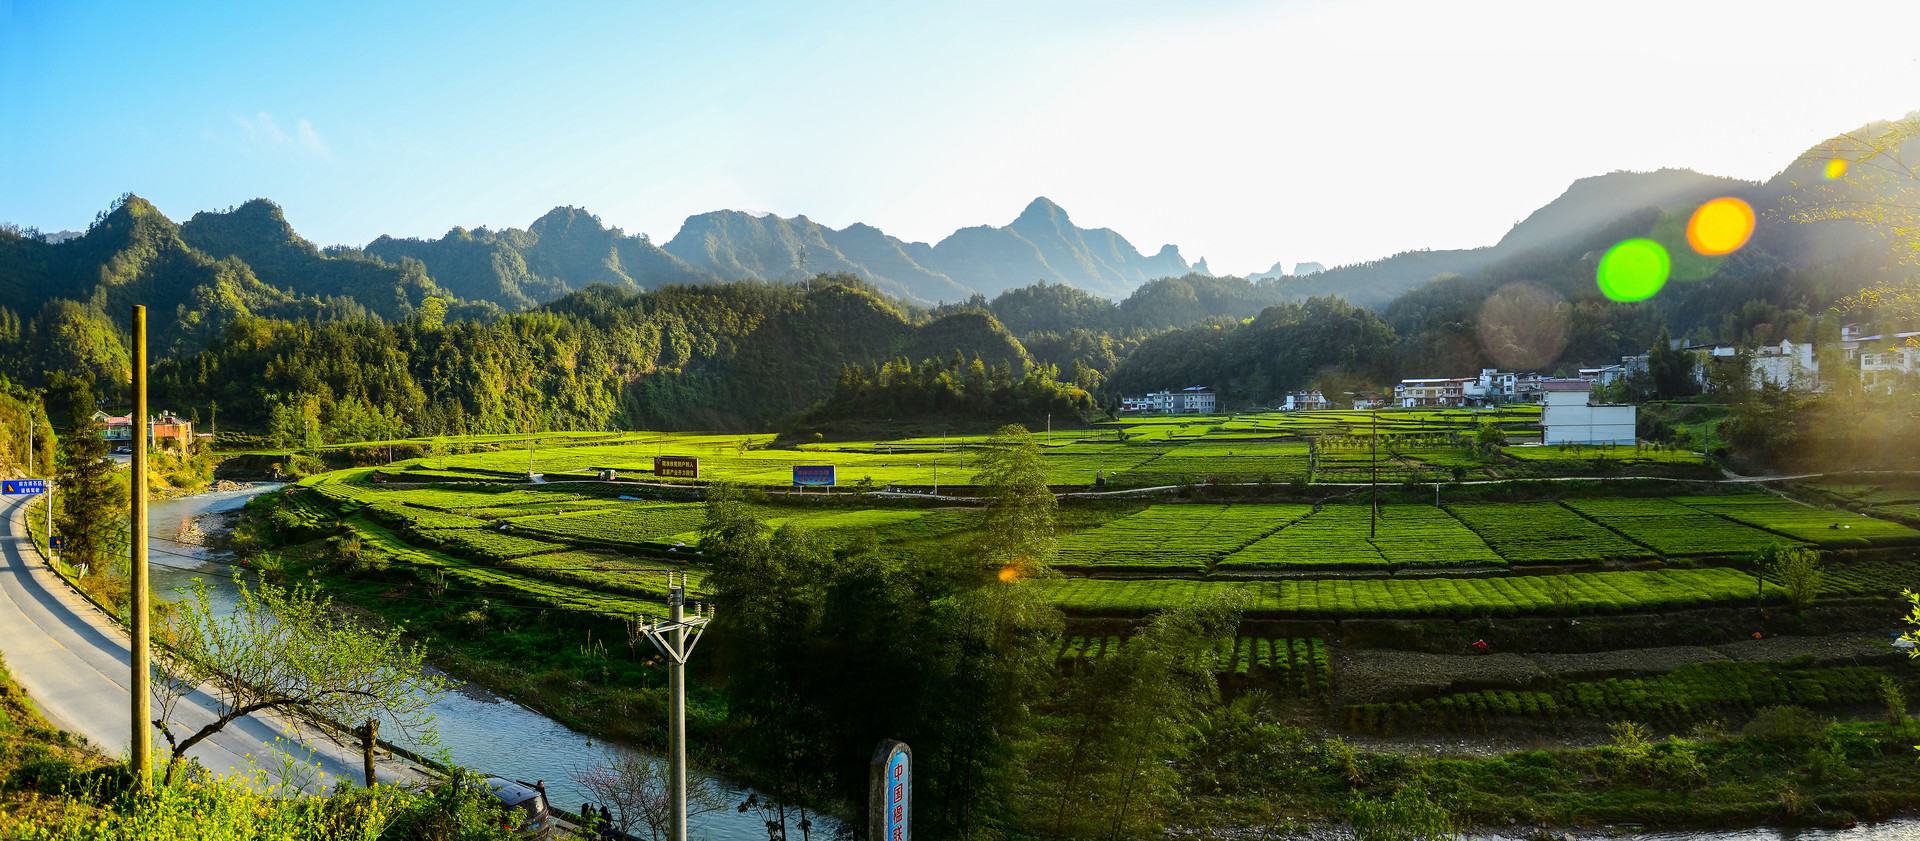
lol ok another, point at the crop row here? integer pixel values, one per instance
(607, 573)
(487, 544)
(1689, 695)
(1174, 536)
(1829, 529)
(629, 525)
(1542, 532)
(396, 514)
(1673, 529)
(381, 540)
(1339, 535)
(1299, 665)
(1599, 592)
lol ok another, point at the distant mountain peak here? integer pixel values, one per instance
(1042, 210)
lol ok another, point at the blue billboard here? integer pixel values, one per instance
(23, 486)
(813, 474)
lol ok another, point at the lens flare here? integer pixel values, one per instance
(1835, 169)
(1009, 574)
(1720, 226)
(1522, 326)
(1634, 270)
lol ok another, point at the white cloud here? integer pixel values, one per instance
(261, 134)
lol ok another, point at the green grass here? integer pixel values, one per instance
(1543, 532)
(1600, 592)
(1828, 529)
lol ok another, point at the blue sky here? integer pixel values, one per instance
(1247, 133)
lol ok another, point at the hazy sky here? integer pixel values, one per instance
(1242, 132)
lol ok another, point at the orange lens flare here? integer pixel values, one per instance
(1009, 574)
(1720, 226)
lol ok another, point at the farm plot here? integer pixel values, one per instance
(627, 525)
(607, 573)
(1173, 536)
(1336, 535)
(1543, 532)
(396, 514)
(1244, 460)
(1689, 695)
(380, 540)
(1673, 529)
(1600, 592)
(1077, 464)
(486, 544)
(1828, 529)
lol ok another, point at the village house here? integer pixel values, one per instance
(1570, 416)
(1305, 400)
(162, 429)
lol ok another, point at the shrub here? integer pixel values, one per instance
(1784, 724)
(1894, 699)
(1798, 571)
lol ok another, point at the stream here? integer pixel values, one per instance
(477, 729)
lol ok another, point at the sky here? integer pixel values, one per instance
(1245, 133)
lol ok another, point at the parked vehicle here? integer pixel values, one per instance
(529, 802)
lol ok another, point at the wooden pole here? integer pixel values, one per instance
(141, 748)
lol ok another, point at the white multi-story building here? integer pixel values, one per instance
(1571, 417)
(1881, 369)
(1303, 400)
(1789, 364)
(1197, 399)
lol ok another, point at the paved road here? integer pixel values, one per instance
(75, 664)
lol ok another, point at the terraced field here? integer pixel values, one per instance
(1543, 532)
(1828, 529)
(1337, 536)
(1599, 592)
(1676, 530)
(1185, 537)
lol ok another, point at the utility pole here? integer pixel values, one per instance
(672, 639)
(1373, 524)
(141, 748)
(1049, 427)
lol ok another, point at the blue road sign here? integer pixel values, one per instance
(23, 486)
(57, 542)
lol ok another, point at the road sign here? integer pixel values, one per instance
(676, 467)
(23, 486)
(813, 474)
(890, 792)
(57, 542)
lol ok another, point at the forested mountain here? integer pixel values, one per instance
(726, 356)
(1041, 244)
(63, 306)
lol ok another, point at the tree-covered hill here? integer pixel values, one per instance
(728, 356)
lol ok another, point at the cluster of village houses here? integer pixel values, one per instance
(163, 429)
(1569, 413)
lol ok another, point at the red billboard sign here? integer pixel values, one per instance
(676, 467)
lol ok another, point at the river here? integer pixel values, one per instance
(477, 729)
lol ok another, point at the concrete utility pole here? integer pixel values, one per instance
(141, 748)
(672, 639)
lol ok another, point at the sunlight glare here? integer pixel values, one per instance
(1634, 270)
(1720, 226)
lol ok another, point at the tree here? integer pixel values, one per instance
(634, 789)
(1798, 570)
(1108, 754)
(1671, 370)
(284, 649)
(1018, 522)
(92, 504)
(1489, 437)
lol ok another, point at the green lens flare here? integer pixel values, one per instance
(1634, 270)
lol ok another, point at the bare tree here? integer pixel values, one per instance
(284, 649)
(633, 788)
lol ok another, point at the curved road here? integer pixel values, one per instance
(76, 665)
